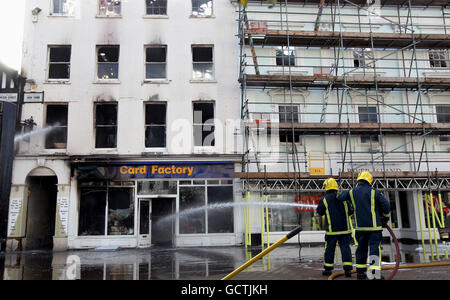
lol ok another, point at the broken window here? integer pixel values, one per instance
(288, 113)
(59, 62)
(439, 59)
(363, 58)
(63, 7)
(92, 211)
(202, 8)
(155, 125)
(109, 7)
(57, 119)
(202, 57)
(108, 62)
(287, 136)
(120, 211)
(156, 7)
(105, 125)
(204, 124)
(285, 56)
(155, 62)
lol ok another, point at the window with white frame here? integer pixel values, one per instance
(155, 62)
(105, 125)
(203, 64)
(439, 59)
(443, 116)
(156, 7)
(155, 125)
(56, 118)
(63, 7)
(285, 56)
(202, 8)
(59, 62)
(204, 124)
(368, 114)
(108, 62)
(109, 7)
(363, 58)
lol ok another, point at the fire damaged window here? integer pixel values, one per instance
(57, 119)
(155, 125)
(63, 7)
(204, 124)
(156, 7)
(202, 8)
(109, 7)
(192, 198)
(59, 62)
(108, 62)
(106, 211)
(155, 62)
(203, 66)
(105, 125)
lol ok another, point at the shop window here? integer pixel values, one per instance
(202, 8)
(203, 66)
(156, 7)
(120, 212)
(157, 187)
(363, 58)
(393, 205)
(439, 59)
(105, 125)
(63, 7)
(155, 125)
(92, 211)
(109, 7)
(204, 124)
(57, 119)
(59, 62)
(191, 198)
(286, 219)
(220, 220)
(155, 62)
(285, 56)
(404, 209)
(108, 62)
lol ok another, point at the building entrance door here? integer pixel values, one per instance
(145, 221)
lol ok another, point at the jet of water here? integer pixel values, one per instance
(194, 210)
(25, 135)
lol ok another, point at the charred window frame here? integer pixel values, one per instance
(109, 8)
(443, 116)
(108, 62)
(204, 124)
(155, 125)
(59, 62)
(203, 62)
(285, 56)
(62, 7)
(439, 59)
(156, 62)
(57, 116)
(156, 7)
(202, 8)
(105, 125)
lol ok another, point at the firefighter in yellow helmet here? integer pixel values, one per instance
(337, 228)
(372, 210)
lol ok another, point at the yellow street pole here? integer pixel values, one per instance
(249, 238)
(430, 196)
(244, 199)
(263, 253)
(430, 239)
(442, 222)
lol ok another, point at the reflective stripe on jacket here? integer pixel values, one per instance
(336, 214)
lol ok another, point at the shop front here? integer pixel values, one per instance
(144, 204)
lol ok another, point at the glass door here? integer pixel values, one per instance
(145, 223)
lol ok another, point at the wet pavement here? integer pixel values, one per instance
(288, 262)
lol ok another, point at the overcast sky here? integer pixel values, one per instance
(11, 31)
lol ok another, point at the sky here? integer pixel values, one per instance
(11, 32)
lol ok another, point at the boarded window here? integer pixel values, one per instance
(285, 56)
(109, 7)
(108, 62)
(56, 118)
(59, 62)
(155, 125)
(156, 7)
(155, 62)
(106, 126)
(203, 67)
(202, 8)
(204, 124)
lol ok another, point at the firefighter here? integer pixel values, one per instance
(371, 211)
(337, 228)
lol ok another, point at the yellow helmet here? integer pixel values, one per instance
(365, 175)
(330, 184)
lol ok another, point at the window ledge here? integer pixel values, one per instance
(437, 73)
(202, 17)
(156, 81)
(56, 15)
(57, 81)
(105, 151)
(204, 150)
(155, 17)
(202, 81)
(56, 152)
(108, 17)
(111, 81)
(154, 151)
